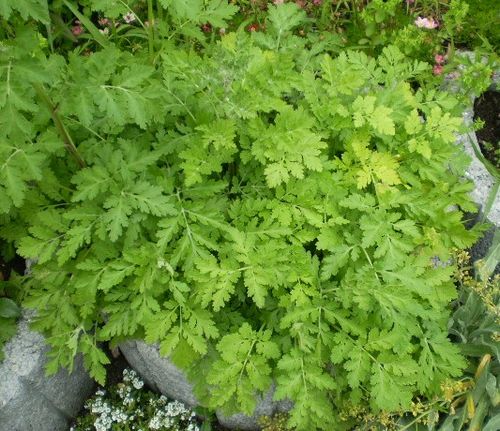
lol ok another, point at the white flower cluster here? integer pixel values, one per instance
(170, 414)
(103, 423)
(130, 376)
(107, 414)
(99, 406)
(125, 393)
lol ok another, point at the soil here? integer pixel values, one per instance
(17, 265)
(487, 108)
(114, 370)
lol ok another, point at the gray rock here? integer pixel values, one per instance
(482, 194)
(453, 85)
(265, 407)
(28, 399)
(482, 247)
(477, 172)
(495, 85)
(484, 182)
(159, 372)
(162, 375)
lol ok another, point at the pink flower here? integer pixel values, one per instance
(301, 3)
(253, 27)
(77, 30)
(129, 18)
(206, 28)
(317, 2)
(439, 58)
(437, 69)
(103, 21)
(432, 23)
(428, 23)
(276, 2)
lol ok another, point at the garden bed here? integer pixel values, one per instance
(264, 205)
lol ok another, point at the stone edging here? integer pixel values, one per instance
(30, 401)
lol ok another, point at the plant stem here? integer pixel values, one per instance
(159, 9)
(68, 142)
(50, 37)
(151, 35)
(325, 15)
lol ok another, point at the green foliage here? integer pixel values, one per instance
(9, 311)
(265, 211)
(8, 308)
(8, 328)
(243, 367)
(472, 401)
(474, 22)
(36, 9)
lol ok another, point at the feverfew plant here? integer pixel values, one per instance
(266, 210)
(128, 406)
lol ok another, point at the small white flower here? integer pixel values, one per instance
(137, 383)
(129, 17)
(155, 423)
(119, 416)
(103, 423)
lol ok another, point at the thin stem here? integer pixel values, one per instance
(17, 150)
(371, 263)
(182, 104)
(151, 34)
(249, 353)
(85, 127)
(418, 418)
(303, 373)
(68, 142)
(50, 37)
(325, 12)
(188, 228)
(159, 9)
(9, 66)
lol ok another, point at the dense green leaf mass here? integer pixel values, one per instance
(265, 211)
